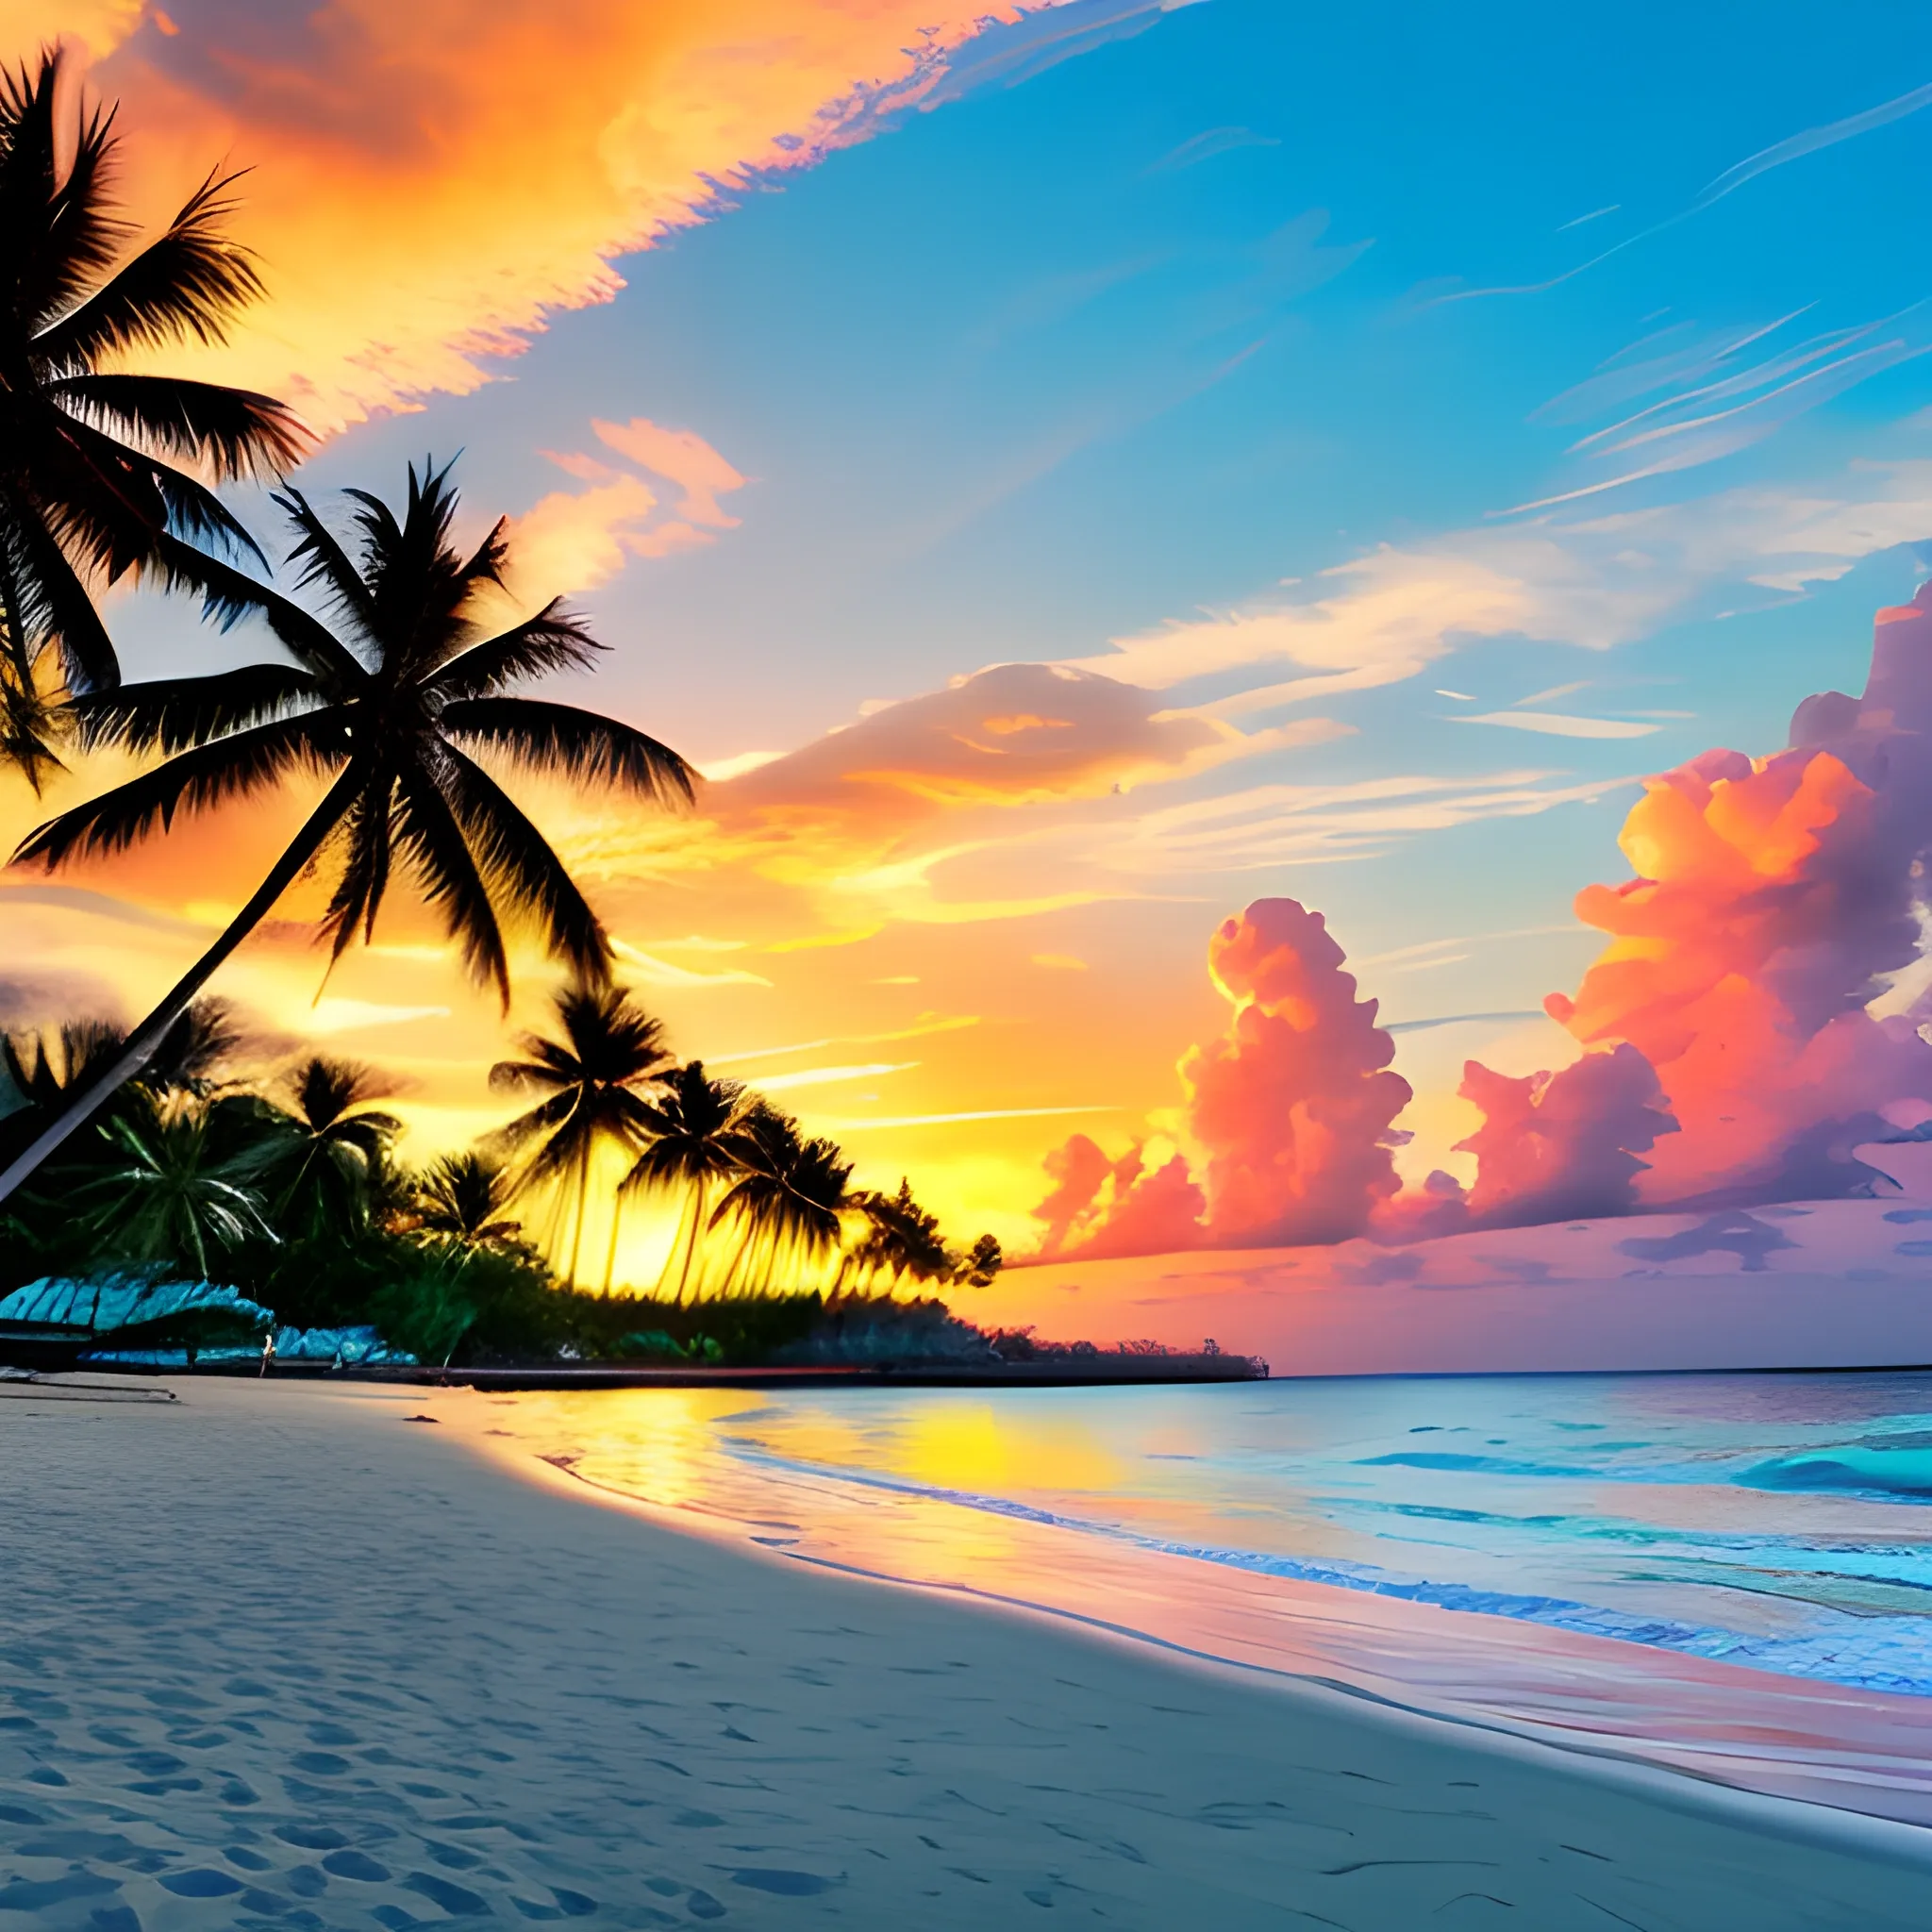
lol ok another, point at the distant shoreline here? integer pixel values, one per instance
(1069, 1372)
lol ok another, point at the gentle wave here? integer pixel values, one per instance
(1881, 1474)
(1881, 1653)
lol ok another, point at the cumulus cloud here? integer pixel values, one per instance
(1101, 1207)
(1290, 1113)
(475, 169)
(1562, 1146)
(1774, 900)
(1293, 1106)
(1751, 995)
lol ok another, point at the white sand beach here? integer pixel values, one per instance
(279, 1655)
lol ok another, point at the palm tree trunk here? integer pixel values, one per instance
(690, 1246)
(142, 1043)
(576, 1239)
(610, 1253)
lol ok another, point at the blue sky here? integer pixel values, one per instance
(1166, 324)
(1186, 335)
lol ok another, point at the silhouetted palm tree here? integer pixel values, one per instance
(789, 1196)
(46, 1069)
(693, 1127)
(337, 1147)
(463, 1196)
(393, 714)
(901, 1239)
(88, 487)
(594, 1081)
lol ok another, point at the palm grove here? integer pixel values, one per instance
(390, 702)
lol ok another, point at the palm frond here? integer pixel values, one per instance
(366, 830)
(324, 561)
(236, 432)
(228, 596)
(57, 230)
(172, 714)
(560, 741)
(553, 639)
(58, 606)
(428, 833)
(526, 874)
(231, 767)
(186, 283)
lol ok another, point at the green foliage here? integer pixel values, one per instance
(427, 1307)
(172, 1185)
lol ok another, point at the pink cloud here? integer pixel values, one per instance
(682, 456)
(480, 168)
(1294, 1105)
(1563, 1146)
(1290, 1111)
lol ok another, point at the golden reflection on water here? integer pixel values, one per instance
(740, 1467)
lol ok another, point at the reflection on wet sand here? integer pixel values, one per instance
(849, 1484)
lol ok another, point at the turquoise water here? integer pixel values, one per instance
(1783, 1521)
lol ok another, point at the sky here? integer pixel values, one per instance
(1070, 477)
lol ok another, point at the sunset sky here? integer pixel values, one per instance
(1064, 477)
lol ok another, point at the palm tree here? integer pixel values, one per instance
(167, 1190)
(901, 1239)
(982, 1261)
(692, 1126)
(594, 1081)
(463, 1196)
(337, 1147)
(40, 1071)
(88, 483)
(789, 1194)
(391, 715)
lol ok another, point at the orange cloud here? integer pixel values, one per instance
(432, 180)
(576, 540)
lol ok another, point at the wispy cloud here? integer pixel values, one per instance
(480, 176)
(1594, 578)
(1276, 825)
(925, 1025)
(1719, 404)
(1204, 147)
(1556, 724)
(1796, 147)
(827, 1076)
(656, 971)
(576, 540)
(947, 1120)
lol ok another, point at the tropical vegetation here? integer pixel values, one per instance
(386, 712)
(285, 1182)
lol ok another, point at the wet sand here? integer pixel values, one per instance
(278, 1656)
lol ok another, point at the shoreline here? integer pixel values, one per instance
(1076, 1371)
(266, 1640)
